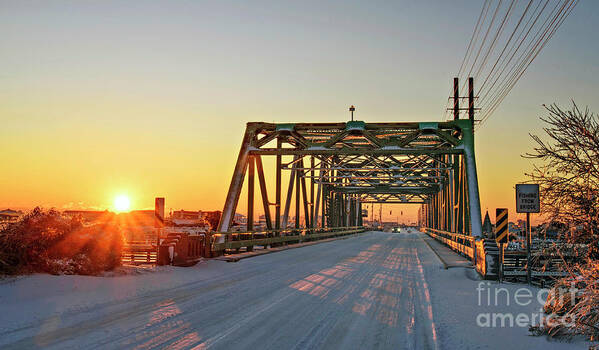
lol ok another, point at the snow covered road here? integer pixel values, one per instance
(376, 290)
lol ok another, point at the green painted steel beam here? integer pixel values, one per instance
(349, 151)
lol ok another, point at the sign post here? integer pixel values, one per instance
(501, 235)
(158, 218)
(528, 201)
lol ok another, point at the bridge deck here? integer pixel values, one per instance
(375, 291)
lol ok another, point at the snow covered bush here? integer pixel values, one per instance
(574, 299)
(47, 241)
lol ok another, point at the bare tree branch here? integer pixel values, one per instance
(568, 171)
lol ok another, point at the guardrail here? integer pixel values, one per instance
(460, 243)
(237, 240)
(139, 252)
(544, 267)
(182, 249)
(481, 252)
(485, 255)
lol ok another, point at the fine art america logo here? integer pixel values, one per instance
(503, 307)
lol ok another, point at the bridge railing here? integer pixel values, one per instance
(546, 263)
(460, 243)
(237, 240)
(139, 252)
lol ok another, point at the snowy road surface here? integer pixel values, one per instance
(374, 291)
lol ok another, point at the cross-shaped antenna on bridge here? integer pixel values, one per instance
(352, 109)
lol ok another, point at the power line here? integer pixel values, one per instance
(513, 52)
(484, 39)
(557, 21)
(524, 61)
(473, 38)
(506, 44)
(514, 67)
(492, 46)
(469, 49)
(511, 37)
(528, 55)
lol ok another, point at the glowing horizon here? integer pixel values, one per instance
(106, 98)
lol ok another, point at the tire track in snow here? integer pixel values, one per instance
(427, 305)
(253, 299)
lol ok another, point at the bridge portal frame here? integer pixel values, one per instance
(428, 163)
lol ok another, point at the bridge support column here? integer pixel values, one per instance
(235, 188)
(278, 189)
(472, 179)
(285, 219)
(251, 175)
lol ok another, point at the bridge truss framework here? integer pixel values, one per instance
(348, 164)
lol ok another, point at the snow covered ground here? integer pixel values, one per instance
(378, 290)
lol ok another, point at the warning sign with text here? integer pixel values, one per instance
(527, 198)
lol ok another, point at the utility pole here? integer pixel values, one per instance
(471, 101)
(528, 243)
(456, 99)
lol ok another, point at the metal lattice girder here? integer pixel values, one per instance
(355, 162)
(393, 198)
(357, 137)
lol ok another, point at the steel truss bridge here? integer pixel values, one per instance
(332, 169)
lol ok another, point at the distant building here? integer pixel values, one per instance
(261, 223)
(513, 228)
(240, 218)
(186, 214)
(9, 215)
(190, 218)
(552, 230)
(213, 217)
(139, 217)
(132, 218)
(187, 217)
(91, 215)
(522, 225)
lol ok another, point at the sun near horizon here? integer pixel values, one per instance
(122, 203)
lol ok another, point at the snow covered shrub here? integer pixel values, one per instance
(576, 299)
(47, 241)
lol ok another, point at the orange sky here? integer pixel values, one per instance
(118, 98)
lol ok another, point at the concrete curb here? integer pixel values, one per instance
(437, 254)
(445, 264)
